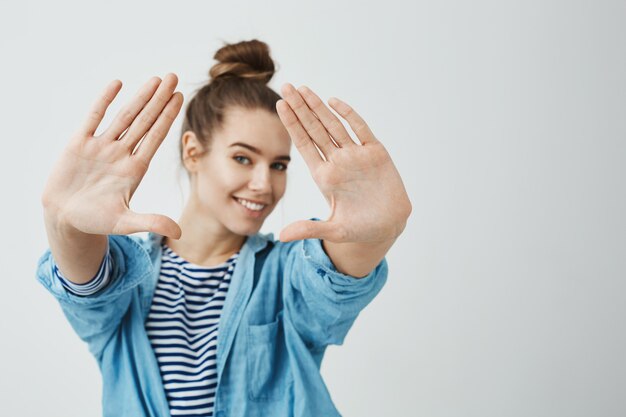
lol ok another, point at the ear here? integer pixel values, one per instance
(192, 149)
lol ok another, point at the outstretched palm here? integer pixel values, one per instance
(91, 185)
(360, 182)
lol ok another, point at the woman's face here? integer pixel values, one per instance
(243, 176)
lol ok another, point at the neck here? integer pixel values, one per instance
(204, 240)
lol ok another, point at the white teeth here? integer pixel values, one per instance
(250, 205)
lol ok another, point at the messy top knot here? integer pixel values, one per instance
(238, 79)
(247, 59)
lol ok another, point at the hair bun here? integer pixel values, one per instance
(247, 59)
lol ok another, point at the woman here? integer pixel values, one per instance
(151, 309)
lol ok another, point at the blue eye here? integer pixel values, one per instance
(279, 166)
(242, 160)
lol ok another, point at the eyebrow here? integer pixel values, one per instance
(258, 152)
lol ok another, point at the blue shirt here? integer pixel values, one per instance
(286, 303)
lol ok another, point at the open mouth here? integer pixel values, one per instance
(250, 205)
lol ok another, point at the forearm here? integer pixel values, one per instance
(356, 259)
(78, 255)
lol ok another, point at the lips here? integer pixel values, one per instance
(251, 205)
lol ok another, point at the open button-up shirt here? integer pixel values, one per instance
(286, 303)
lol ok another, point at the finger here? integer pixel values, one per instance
(132, 222)
(314, 128)
(149, 114)
(157, 133)
(332, 124)
(298, 135)
(99, 108)
(310, 229)
(356, 122)
(126, 116)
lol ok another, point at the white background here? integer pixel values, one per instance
(506, 293)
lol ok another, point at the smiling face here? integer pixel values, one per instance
(239, 181)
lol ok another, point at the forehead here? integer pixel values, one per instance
(256, 127)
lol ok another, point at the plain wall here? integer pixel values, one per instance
(506, 120)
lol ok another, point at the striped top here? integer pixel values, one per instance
(182, 326)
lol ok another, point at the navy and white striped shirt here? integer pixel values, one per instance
(182, 326)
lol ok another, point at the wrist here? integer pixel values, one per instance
(56, 222)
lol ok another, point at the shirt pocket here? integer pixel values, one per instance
(268, 376)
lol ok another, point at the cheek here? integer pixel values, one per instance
(279, 186)
(217, 186)
(227, 177)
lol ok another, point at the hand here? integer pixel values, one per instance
(368, 201)
(91, 185)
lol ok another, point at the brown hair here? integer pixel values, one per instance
(239, 78)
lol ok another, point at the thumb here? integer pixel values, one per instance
(133, 222)
(310, 229)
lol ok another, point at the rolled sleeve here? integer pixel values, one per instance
(95, 316)
(323, 303)
(95, 284)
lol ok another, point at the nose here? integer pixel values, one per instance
(260, 181)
